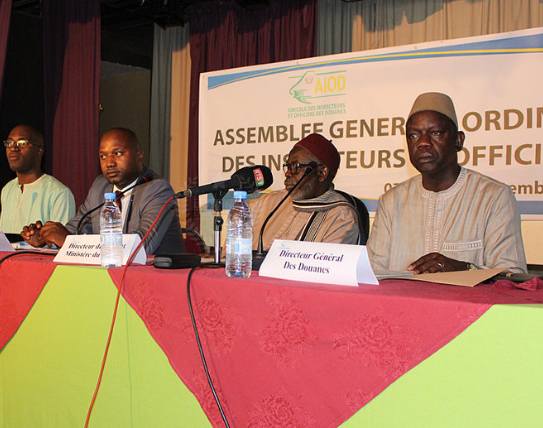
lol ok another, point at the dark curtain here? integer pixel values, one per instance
(5, 13)
(224, 35)
(71, 34)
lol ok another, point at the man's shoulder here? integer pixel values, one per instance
(270, 197)
(55, 184)
(10, 189)
(486, 187)
(155, 181)
(11, 183)
(100, 181)
(160, 182)
(483, 180)
(98, 187)
(405, 187)
(338, 195)
(157, 184)
(330, 200)
(331, 197)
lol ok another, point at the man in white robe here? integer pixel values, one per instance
(448, 218)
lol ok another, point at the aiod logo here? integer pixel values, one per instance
(312, 85)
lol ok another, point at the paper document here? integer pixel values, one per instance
(382, 274)
(466, 278)
(4, 243)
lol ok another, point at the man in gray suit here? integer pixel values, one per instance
(121, 160)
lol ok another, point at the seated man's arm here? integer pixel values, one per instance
(378, 245)
(62, 206)
(259, 211)
(94, 198)
(340, 226)
(54, 232)
(502, 246)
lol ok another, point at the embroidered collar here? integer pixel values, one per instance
(447, 193)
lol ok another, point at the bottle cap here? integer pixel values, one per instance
(240, 194)
(110, 196)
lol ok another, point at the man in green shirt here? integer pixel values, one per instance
(32, 195)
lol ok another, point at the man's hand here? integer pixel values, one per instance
(38, 234)
(435, 262)
(32, 234)
(54, 233)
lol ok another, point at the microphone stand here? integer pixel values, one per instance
(218, 222)
(244, 179)
(218, 193)
(84, 216)
(259, 255)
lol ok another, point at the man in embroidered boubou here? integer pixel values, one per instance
(448, 218)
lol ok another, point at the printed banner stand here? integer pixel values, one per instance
(85, 249)
(340, 264)
(343, 97)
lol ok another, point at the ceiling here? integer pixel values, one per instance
(127, 25)
(127, 15)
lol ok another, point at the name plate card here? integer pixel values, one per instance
(340, 264)
(4, 243)
(85, 249)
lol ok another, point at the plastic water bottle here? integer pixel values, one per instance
(239, 238)
(111, 233)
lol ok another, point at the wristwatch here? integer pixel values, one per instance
(471, 266)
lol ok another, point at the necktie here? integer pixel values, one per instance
(118, 199)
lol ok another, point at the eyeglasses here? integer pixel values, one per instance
(294, 167)
(21, 142)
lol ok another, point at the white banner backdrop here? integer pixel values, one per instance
(254, 115)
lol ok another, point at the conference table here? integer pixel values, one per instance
(279, 353)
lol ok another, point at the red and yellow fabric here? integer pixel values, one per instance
(49, 369)
(280, 353)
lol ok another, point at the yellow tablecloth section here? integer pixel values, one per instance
(489, 376)
(49, 369)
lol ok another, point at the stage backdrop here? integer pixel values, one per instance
(360, 100)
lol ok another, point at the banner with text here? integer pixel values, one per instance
(360, 100)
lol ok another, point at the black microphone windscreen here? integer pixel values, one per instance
(253, 178)
(145, 178)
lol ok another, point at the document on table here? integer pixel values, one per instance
(466, 278)
(4, 243)
(383, 274)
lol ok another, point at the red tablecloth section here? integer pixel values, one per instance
(285, 353)
(22, 278)
(281, 353)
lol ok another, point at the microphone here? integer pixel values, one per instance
(249, 178)
(145, 178)
(259, 255)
